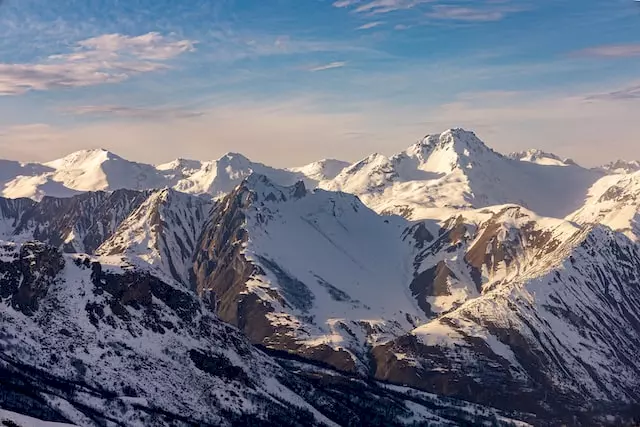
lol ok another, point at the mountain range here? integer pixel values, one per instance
(445, 285)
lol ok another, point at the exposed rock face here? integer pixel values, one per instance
(11, 213)
(75, 224)
(155, 228)
(220, 266)
(27, 273)
(221, 270)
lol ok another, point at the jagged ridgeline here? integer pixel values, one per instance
(445, 285)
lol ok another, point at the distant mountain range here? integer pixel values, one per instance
(445, 285)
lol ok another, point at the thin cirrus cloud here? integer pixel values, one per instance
(468, 14)
(385, 6)
(120, 111)
(624, 94)
(110, 58)
(329, 66)
(491, 10)
(611, 51)
(370, 25)
(345, 3)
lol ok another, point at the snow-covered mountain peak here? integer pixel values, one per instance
(264, 190)
(322, 170)
(621, 167)
(84, 158)
(186, 166)
(442, 153)
(234, 159)
(540, 157)
(458, 137)
(459, 140)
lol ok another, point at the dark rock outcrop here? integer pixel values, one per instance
(25, 279)
(76, 224)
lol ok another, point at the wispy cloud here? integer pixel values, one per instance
(229, 47)
(611, 51)
(345, 3)
(151, 46)
(106, 111)
(109, 58)
(370, 25)
(386, 6)
(469, 14)
(482, 11)
(624, 94)
(329, 66)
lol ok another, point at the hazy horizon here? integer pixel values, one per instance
(143, 160)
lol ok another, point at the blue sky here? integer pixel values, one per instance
(290, 81)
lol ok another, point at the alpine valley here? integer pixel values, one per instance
(447, 285)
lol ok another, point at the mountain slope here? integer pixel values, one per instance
(76, 224)
(11, 213)
(322, 170)
(613, 201)
(490, 304)
(161, 234)
(311, 272)
(88, 343)
(560, 333)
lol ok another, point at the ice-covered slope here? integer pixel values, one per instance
(440, 174)
(180, 168)
(87, 170)
(455, 170)
(92, 170)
